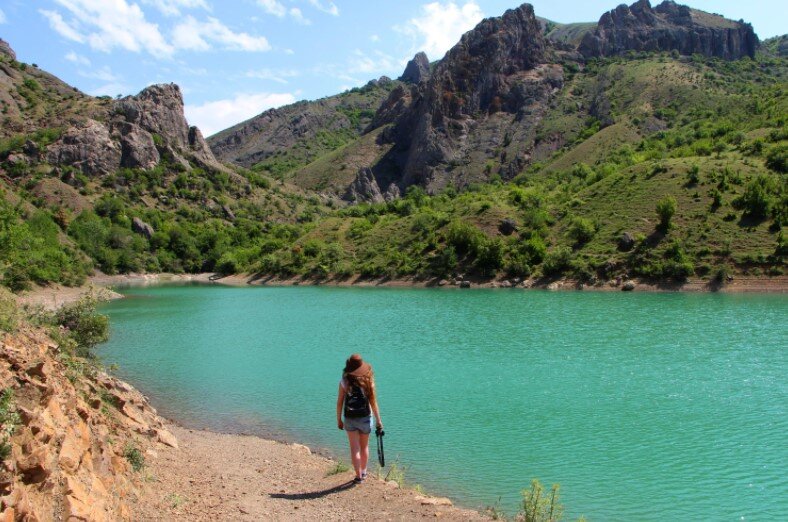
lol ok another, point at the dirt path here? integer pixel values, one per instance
(234, 477)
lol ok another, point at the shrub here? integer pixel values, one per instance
(777, 158)
(539, 506)
(756, 200)
(489, 256)
(134, 456)
(666, 209)
(557, 261)
(84, 325)
(581, 230)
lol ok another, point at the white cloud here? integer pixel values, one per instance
(77, 59)
(273, 7)
(61, 27)
(104, 74)
(279, 76)
(441, 25)
(106, 25)
(377, 63)
(299, 16)
(375, 38)
(194, 35)
(330, 8)
(3, 18)
(173, 7)
(211, 117)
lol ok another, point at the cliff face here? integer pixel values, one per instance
(669, 27)
(496, 77)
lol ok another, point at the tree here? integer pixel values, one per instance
(666, 209)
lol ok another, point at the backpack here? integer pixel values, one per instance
(356, 403)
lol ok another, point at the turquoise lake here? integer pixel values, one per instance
(642, 406)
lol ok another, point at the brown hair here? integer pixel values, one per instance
(365, 382)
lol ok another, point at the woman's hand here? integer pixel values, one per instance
(379, 425)
(340, 424)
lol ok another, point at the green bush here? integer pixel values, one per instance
(541, 506)
(756, 200)
(666, 209)
(581, 230)
(84, 325)
(557, 261)
(777, 158)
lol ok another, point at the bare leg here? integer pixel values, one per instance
(355, 451)
(363, 439)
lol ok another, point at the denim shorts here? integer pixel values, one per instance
(362, 424)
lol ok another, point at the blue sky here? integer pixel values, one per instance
(235, 58)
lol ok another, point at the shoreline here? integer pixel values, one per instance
(738, 285)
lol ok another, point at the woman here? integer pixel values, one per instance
(357, 399)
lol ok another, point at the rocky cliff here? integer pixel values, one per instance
(493, 84)
(138, 132)
(417, 69)
(79, 436)
(669, 27)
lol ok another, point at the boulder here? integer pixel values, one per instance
(507, 227)
(465, 284)
(629, 286)
(138, 150)
(626, 242)
(141, 227)
(228, 212)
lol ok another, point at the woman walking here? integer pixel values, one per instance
(357, 400)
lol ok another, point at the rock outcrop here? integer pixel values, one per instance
(140, 131)
(495, 77)
(72, 451)
(417, 70)
(669, 27)
(365, 189)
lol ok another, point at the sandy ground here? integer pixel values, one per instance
(235, 477)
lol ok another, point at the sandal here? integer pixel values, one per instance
(357, 480)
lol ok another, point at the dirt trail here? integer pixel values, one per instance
(235, 477)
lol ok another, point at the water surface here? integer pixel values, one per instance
(642, 406)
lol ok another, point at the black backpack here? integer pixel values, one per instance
(356, 403)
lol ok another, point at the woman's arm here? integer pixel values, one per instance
(340, 403)
(376, 411)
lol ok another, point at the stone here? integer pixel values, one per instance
(166, 438)
(141, 227)
(505, 284)
(393, 484)
(626, 242)
(35, 466)
(465, 284)
(629, 286)
(434, 501)
(417, 69)
(228, 212)
(443, 282)
(507, 227)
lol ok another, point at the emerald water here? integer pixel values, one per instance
(642, 406)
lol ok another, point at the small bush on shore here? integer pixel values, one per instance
(9, 420)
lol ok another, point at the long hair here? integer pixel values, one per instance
(366, 383)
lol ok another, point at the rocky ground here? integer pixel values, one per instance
(214, 476)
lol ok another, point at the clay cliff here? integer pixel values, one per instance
(77, 438)
(669, 27)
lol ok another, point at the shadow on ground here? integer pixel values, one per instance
(311, 495)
